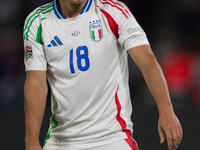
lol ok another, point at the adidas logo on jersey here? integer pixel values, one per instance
(55, 42)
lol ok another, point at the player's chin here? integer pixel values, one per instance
(78, 2)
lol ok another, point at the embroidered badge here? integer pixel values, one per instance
(28, 52)
(132, 30)
(76, 33)
(96, 31)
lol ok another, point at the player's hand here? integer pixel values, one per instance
(170, 126)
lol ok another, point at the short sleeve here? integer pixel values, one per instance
(134, 41)
(34, 58)
(123, 24)
(131, 34)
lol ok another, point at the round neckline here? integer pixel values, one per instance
(59, 15)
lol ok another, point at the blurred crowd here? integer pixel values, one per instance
(172, 27)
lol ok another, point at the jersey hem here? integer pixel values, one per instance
(63, 144)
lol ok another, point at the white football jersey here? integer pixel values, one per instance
(86, 63)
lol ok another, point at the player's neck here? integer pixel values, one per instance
(70, 8)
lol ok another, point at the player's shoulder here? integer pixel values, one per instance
(114, 8)
(107, 4)
(39, 12)
(34, 19)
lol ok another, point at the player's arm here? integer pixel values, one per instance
(168, 122)
(35, 92)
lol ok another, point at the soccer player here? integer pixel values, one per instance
(81, 47)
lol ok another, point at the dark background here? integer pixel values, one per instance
(173, 29)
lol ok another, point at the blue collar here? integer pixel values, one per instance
(61, 16)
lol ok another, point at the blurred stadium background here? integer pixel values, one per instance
(173, 29)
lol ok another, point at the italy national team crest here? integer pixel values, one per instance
(96, 31)
(28, 52)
